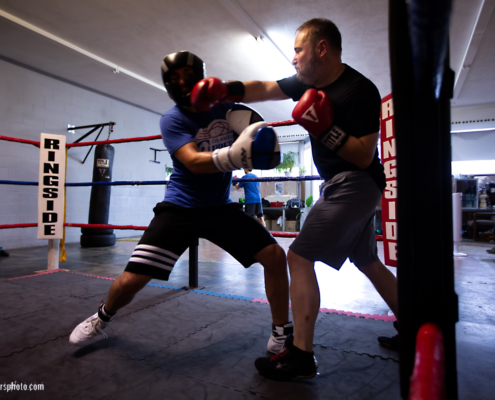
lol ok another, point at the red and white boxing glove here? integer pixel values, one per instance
(314, 112)
(209, 92)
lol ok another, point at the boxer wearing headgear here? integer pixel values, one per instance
(197, 203)
(178, 60)
(257, 146)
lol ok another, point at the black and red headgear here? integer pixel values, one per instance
(178, 60)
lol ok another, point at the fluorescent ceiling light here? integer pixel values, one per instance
(473, 130)
(115, 67)
(272, 64)
(473, 167)
(284, 44)
(272, 48)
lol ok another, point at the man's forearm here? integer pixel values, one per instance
(359, 151)
(195, 161)
(262, 91)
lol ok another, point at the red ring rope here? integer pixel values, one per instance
(18, 226)
(20, 140)
(283, 123)
(141, 228)
(135, 139)
(125, 227)
(284, 234)
(105, 226)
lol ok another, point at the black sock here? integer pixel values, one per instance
(103, 314)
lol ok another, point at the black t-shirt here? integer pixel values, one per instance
(356, 104)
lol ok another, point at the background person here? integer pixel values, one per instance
(490, 234)
(252, 205)
(197, 203)
(340, 108)
(3, 253)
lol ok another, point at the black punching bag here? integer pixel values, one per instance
(99, 205)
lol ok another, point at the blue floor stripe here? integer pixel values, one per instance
(228, 296)
(165, 286)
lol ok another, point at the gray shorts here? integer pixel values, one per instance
(341, 223)
(253, 209)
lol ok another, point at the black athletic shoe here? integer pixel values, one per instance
(3, 253)
(291, 363)
(390, 342)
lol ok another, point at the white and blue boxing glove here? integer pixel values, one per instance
(256, 148)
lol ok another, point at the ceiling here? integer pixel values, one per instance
(115, 47)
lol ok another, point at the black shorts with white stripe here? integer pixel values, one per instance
(153, 261)
(174, 229)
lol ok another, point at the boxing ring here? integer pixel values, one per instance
(54, 258)
(371, 348)
(53, 251)
(204, 324)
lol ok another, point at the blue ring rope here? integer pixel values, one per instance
(142, 183)
(19, 183)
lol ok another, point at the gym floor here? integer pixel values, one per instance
(347, 290)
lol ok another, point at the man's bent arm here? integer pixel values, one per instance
(198, 162)
(359, 151)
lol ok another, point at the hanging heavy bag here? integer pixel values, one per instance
(99, 205)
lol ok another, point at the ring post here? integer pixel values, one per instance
(457, 219)
(422, 86)
(193, 264)
(53, 254)
(51, 194)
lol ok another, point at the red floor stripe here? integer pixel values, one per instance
(92, 276)
(378, 317)
(30, 276)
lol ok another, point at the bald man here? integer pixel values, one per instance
(340, 108)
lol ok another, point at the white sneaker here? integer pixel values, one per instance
(277, 339)
(87, 330)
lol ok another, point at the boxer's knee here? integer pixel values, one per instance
(130, 282)
(272, 256)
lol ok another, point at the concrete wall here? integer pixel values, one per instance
(481, 116)
(473, 146)
(31, 103)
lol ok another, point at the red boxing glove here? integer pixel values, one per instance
(209, 92)
(314, 112)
